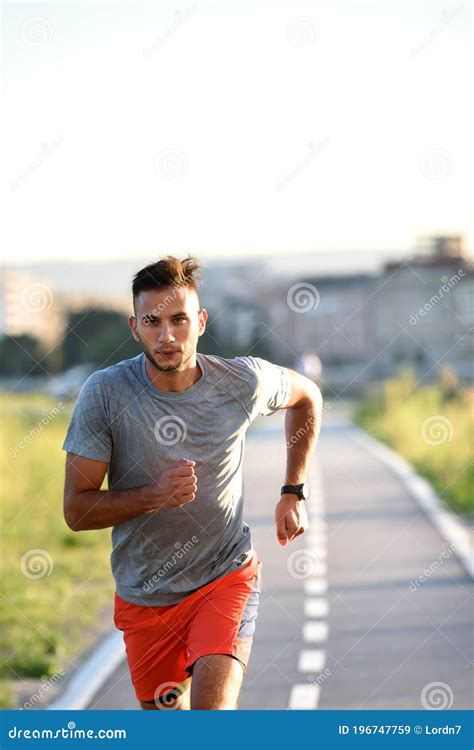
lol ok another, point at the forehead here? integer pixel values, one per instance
(166, 302)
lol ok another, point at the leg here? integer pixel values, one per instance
(175, 700)
(216, 683)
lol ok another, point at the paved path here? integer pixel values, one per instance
(371, 640)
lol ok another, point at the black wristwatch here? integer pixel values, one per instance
(302, 490)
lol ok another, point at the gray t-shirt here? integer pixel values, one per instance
(120, 417)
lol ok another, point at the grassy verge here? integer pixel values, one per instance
(433, 428)
(56, 585)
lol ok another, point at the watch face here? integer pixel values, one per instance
(304, 491)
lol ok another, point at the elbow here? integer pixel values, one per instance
(72, 522)
(312, 397)
(71, 516)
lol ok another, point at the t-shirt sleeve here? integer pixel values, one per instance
(271, 386)
(89, 432)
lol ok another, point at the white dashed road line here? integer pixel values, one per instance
(316, 607)
(311, 661)
(315, 586)
(304, 697)
(315, 632)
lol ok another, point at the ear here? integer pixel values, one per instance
(202, 321)
(132, 322)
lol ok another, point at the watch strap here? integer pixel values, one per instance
(292, 489)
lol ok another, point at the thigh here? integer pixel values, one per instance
(155, 641)
(224, 621)
(216, 683)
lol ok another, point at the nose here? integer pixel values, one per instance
(166, 336)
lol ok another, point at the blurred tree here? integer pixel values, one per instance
(20, 355)
(214, 342)
(100, 337)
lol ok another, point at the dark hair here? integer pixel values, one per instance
(167, 272)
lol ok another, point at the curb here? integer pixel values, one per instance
(451, 528)
(92, 674)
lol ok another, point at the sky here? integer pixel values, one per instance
(233, 129)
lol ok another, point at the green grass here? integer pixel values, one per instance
(45, 621)
(432, 427)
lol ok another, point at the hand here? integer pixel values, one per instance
(175, 487)
(291, 518)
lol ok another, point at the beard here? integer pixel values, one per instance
(181, 359)
(166, 366)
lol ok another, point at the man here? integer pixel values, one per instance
(168, 427)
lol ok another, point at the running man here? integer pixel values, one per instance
(168, 428)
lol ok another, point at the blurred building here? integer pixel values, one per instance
(362, 326)
(30, 306)
(442, 246)
(425, 312)
(418, 312)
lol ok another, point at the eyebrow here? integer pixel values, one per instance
(150, 316)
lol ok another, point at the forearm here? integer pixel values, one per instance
(302, 427)
(99, 509)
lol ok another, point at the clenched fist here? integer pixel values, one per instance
(290, 518)
(175, 487)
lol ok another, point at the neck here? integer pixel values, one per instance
(174, 381)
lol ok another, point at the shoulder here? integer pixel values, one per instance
(243, 370)
(111, 380)
(250, 376)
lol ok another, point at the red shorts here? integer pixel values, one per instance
(162, 643)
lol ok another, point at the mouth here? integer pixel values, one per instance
(167, 352)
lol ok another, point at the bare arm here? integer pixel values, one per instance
(87, 507)
(302, 426)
